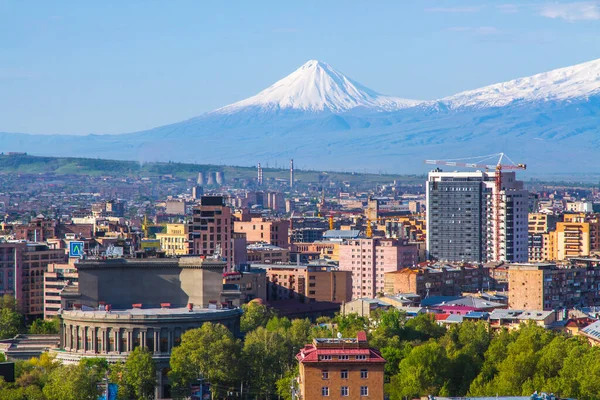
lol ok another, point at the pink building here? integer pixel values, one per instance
(370, 259)
(211, 228)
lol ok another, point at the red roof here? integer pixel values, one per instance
(311, 354)
(361, 336)
(441, 317)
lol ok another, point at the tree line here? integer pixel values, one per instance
(423, 358)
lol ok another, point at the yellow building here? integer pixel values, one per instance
(175, 241)
(572, 237)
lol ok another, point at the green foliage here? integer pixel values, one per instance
(423, 327)
(139, 374)
(10, 320)
(349, 325)
(72, 382)
(41, 326)
(209, 352)
(255, 315)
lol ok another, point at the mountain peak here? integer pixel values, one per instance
(563, 84)
(318, 87)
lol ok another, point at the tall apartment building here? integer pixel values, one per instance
(369, 259)
(211, 228)
(176, 240)
(466, 222)
(257, 230)
(548, 287)
(542, 238)
(22, 267)
(340, 368)
(56, 278)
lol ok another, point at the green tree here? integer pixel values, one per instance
(423, 327)
(10, 321)
(266, 357)
(422, 372)
(209, 352)
(349, 325)
(139, 373)
(40, 326)
(72, 382)
(255, 315)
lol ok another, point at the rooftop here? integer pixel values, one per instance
(142, 313)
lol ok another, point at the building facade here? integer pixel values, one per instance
(369, 259)
(258, 230)
(175, 242)
(211, 228)
(340, 368)
(468, 221)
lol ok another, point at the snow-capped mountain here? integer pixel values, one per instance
(578, 81)
(316, 87)
(325, 120)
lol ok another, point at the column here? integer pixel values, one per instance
(77, 338)
(118, 340)
(129, 340)
(103, 339)
(94, 340)
(157, 341)
(170, 334)
(143, 340)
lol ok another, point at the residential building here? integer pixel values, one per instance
(369, 259)
(327, 249)
(258, 230)
(436, 280)
(39, 229)
(263, 253)
(340, 368)
(549, 287)
(175, 242)
(211, 228)
(22, 267)
(468, 220)
(307, 283)
(56, 278)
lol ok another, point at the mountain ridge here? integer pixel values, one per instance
(330, 121)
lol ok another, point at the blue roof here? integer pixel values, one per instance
(341, 234)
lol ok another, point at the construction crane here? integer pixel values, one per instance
(479, 163)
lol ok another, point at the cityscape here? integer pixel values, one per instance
(318, 239)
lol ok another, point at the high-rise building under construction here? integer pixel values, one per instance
(467, 220)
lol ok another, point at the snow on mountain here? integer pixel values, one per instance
(316, 87)
(564, 84)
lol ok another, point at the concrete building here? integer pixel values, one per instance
(369, 259)
(463, 216)
(211, 228)
(263, 253)
(548, 287)
(259, 229)
(56, 278)
(440, 280)
(22, 267)
(175, 242)
(307, 283)
(576, 236)
(39, 229)
(175, 207)
(340, 368)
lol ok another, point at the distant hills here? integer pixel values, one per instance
(325, 120)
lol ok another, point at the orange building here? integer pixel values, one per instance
(345, 368)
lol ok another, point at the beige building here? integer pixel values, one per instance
(328, 249)
(572, 237)
(56, 278)
(175, 241)
(307, 283)
(262, 253)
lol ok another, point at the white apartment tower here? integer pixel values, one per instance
(469, 219)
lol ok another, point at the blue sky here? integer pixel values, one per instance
(81, 67)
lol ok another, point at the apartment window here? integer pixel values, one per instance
(344, 391)
(343, 357)
(344, 374)
(325, 391)
(361, 357)
(364, 390)
(325, 374)
(325, 357)
(364, 374)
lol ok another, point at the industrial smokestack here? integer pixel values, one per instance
(292, 173)
(260, 175)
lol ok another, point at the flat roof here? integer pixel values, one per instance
(148, 312)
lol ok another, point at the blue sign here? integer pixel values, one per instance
(75, 249)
